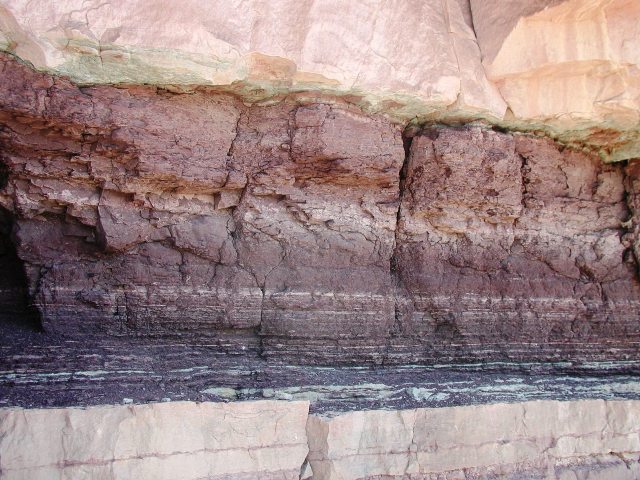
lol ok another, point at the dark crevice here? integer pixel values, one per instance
(407, 140)
(524, 174)
(630, 229)
(304, 467)
(4, 175)
(16, 311)
(398, 289)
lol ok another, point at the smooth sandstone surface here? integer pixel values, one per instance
(163, 441)
(548, 439)
(576, 440)
(572, 66)
(566, 68)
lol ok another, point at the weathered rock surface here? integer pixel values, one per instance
(365, 49)
(217, 194)
(501, 234)
(569, 68)
(164, 441)
(267, 439)
(551, 440)
(286, 229)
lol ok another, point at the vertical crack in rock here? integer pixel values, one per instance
(631, 226)
(236, 213)
(305, 473)
(524, 175)
(261, 284)
(399, 292)
(4, 173)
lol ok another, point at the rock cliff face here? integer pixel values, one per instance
(312, 232)
(568, 68)
(510, 243)
(396, 216)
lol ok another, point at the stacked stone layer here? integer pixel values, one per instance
(279, 440)
(565, 67)
(312, 232)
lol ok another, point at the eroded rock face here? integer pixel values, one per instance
(286, 229)
(501, 234)
(565, 67)
(280, 218)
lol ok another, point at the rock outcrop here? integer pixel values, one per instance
(165, 441)
(551, 440)
(301, 230)
(571, 67)
(271, 439)
(568, 68)
(509, 242)
(411, 219)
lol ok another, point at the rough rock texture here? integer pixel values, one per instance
(227, 200)
(569, 68)
(632, 187)
(510, 243)
(260, 217)
(286, 229)
(37, 371)
(550, 440)
(164, 441)
(267, 439)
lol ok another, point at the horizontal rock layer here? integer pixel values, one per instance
(550, 440)
(565, 67)
(307, 232)
(270, 439)
(165, 441)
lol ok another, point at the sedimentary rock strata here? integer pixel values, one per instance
(569, 68)
(350, 231)
(312, 231)
(306, 231)
(500, 234)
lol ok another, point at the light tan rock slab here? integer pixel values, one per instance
(555, 440)
(385, 50)
(163, 441)
(571, 65)
(558, 438)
